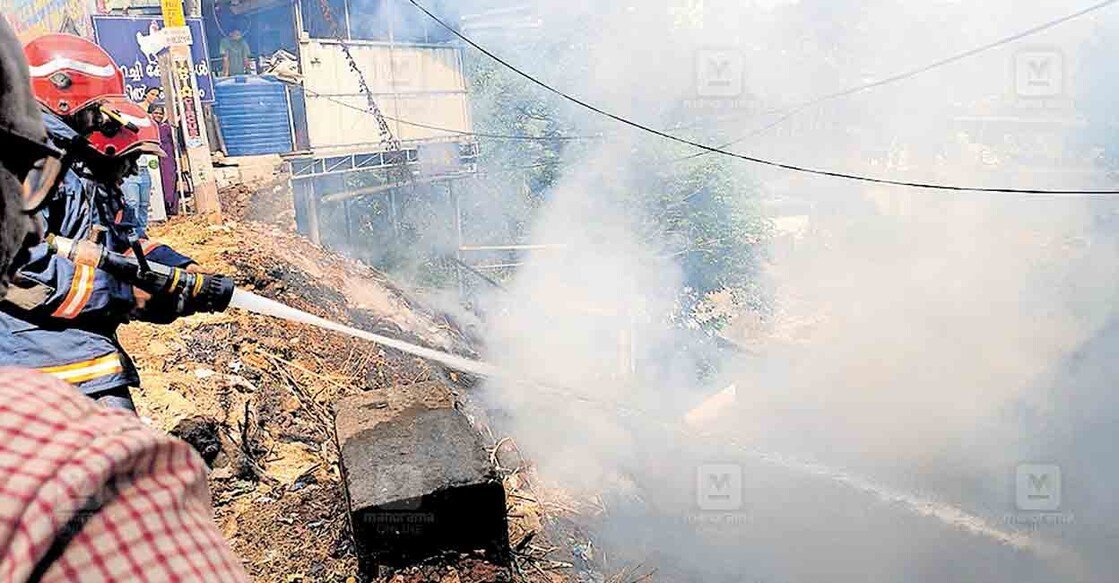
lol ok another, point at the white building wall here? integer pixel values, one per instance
(414, 83)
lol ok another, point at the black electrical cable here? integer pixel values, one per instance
(794, 110)
(762, 161)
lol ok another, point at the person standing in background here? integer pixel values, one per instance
(169, 165)
(150, 97)
(235, 54)
(137, 189)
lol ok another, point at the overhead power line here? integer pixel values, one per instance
(762, 161)
(787, 114)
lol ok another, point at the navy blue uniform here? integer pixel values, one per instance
(61, 318)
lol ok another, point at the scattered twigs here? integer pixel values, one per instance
(314, 406)
(334, 380)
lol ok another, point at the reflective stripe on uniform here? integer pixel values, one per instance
(87, 370)
(81, 289)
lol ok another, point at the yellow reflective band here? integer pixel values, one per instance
(87, 370)
(198, 281)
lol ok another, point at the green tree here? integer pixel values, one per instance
(704, 213)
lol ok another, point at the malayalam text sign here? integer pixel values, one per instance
(135, 42)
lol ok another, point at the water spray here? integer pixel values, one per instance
(261, 305)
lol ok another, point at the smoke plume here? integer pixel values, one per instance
(916, 352)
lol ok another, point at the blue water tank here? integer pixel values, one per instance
(253, 115)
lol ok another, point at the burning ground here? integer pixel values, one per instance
(255, 395)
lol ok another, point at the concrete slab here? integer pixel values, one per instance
(419, 482)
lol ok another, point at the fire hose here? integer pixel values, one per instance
(175, 291)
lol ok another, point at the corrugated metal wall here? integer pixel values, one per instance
(420, 84)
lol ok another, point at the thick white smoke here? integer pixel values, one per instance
(920, 342)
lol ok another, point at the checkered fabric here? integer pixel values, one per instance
(132, 503)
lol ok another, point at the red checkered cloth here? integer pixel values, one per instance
(91, 494)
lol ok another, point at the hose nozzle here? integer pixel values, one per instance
(186, 293)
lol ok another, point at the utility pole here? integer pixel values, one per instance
(181, 88)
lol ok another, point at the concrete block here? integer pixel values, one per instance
(418, 480)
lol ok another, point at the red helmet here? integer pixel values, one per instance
(70, 73)
(127, 129)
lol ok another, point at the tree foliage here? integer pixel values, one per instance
(703, 213)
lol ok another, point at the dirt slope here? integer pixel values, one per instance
(254, 395)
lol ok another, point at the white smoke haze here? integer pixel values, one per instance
(921, 344)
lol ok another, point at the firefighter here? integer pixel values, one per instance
(60, 317)
(73, 474)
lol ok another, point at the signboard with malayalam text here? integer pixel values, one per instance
(135, 43)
